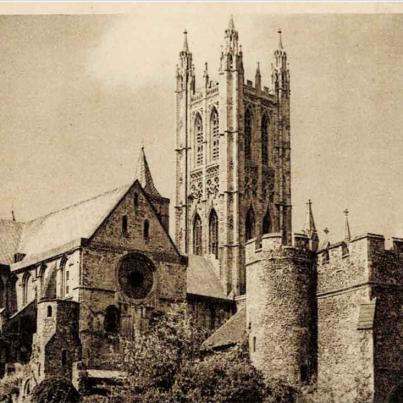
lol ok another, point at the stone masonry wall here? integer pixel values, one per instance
(360, 323)
(101, 289)
(281, 310)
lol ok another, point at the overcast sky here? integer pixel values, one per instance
(80, 94)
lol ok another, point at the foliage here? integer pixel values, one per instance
(10, 384)
(55, 390)
(167, 364)
(279, 392)
(224, 377)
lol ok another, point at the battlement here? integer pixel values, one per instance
(363, 260)
(271, 246)
(361, 247)
(254, 88)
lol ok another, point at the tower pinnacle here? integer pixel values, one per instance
(258, 69)
(347, 232)
(280, 41)
(143, 175)
(185, 41)
(231, 25)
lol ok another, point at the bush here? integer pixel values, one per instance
(166, 364)
(55, 390)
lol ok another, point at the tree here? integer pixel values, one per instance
(167, 364)
(222, 377)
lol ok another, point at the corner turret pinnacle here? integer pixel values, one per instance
(347, 232)
(310, 228)
(231, 25)
(258, 69)
(185, 41)
(280, 41)
(143, 175)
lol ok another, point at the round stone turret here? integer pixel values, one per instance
(281, 308)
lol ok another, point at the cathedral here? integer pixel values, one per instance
(76, 281)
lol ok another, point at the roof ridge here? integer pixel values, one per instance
(75, 204)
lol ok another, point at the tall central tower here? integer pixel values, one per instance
(232, 159)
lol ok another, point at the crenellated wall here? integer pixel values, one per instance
(360, 321)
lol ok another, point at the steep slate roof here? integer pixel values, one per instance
(202, 279)
(79, 220)
(10, 233)
(230, 333)
(58, 228)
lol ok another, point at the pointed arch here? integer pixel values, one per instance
(213, 233)
(248, 135)
(214, 135)
(62, 277)
(27, 290)
(11, 294)
(250, 224)
(146, 230)
(42, 274)
(197, 235)
(265, 139)
(198, 130)
(266, 225)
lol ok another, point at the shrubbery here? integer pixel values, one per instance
(167, 364)
(55, 390)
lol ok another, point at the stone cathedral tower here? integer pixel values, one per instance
(233, 159)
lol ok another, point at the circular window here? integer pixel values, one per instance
(136, 275)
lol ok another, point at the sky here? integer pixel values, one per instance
(80, 94)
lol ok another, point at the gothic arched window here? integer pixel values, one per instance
(136, 202)
(248, 135)
(26, 289)
(42, 274)
(250, 224)
(266, 224)
(125, 226)
(197, 235)
(62, 268)
(215, 135)
(213, 233)
(146, 230)
(265, 139)
(199, 139)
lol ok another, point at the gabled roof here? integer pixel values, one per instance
(202, 279)
(60, 227)
(232, 332)
(10, 234)
(57, 228)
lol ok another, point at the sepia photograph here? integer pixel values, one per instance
(201, 202)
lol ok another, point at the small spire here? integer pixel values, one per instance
(143, 175)
(258, 69)
(13, 215)
(309, 227)
(185, 41)
(205, 69)
(280, 41)
(347, 232)
(231, 25)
